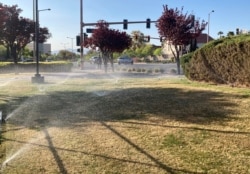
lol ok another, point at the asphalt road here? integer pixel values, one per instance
(168, 68)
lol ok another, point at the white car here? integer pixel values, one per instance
(125, 60)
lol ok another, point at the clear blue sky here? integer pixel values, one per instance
(64, 18)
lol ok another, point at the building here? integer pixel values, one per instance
(44, 48)
(167, 48)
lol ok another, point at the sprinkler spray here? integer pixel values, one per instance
(1, 118)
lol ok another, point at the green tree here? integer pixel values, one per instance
(157, 52)
(64, 55)
(137, 39)
(148, 50)
(138, 52)
(220, 33)
(27, 53)
(130, 52)
(230, 33)
(91, 53)
(2, 52)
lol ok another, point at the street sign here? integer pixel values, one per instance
(90, 30)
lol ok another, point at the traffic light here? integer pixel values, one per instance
(160, 39)
(85, 36)
(77, 40)
(148, 23)
(79, 50)
(148, 37)
(125, 24)
(237, 31)
(136, 37)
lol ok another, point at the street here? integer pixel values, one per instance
(168, 68)
(91, 71)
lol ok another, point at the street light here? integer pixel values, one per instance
(208, 25)
(72, 39)
(38, 78)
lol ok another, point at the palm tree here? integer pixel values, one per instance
(220, 33)
(137, 39)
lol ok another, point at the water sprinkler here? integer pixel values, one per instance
(2, 120)
(1, 116)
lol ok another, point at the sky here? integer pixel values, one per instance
(63, 21)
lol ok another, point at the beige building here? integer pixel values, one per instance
(167, 47)
(44, 48)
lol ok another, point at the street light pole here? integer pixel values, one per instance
(34, 19)
(37, 78)
(81, 34)
(208, 23)
(64, 45)
(72, 50)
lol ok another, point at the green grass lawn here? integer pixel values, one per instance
(123, 125)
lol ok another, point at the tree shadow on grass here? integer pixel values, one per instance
(69, 107)
(10, 105)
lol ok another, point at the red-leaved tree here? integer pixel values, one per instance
(108, 41)
(16, 32)
(2, 15)
(178, 29)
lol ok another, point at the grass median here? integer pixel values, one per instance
(123, 125)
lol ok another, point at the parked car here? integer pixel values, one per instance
(27, 60)
(95, 60)
(49, 60)
(125, 60)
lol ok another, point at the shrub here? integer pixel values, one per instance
(124, 69)
(184, 60)
(225, 61)
(162, 71)
(149, 71)
(139, 70)
(173, 71)
(166, 61)
(157, 70)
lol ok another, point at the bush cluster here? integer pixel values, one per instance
(222, 61)
(59, 66)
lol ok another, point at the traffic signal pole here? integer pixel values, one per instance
(125, 23)
(117, 23)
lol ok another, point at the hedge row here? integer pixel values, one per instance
(9, 67)
(224, 61)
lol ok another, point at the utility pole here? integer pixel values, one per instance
(81, 35)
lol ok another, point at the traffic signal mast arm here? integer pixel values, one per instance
(116, 23)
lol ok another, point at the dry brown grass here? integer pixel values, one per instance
(142, 125)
